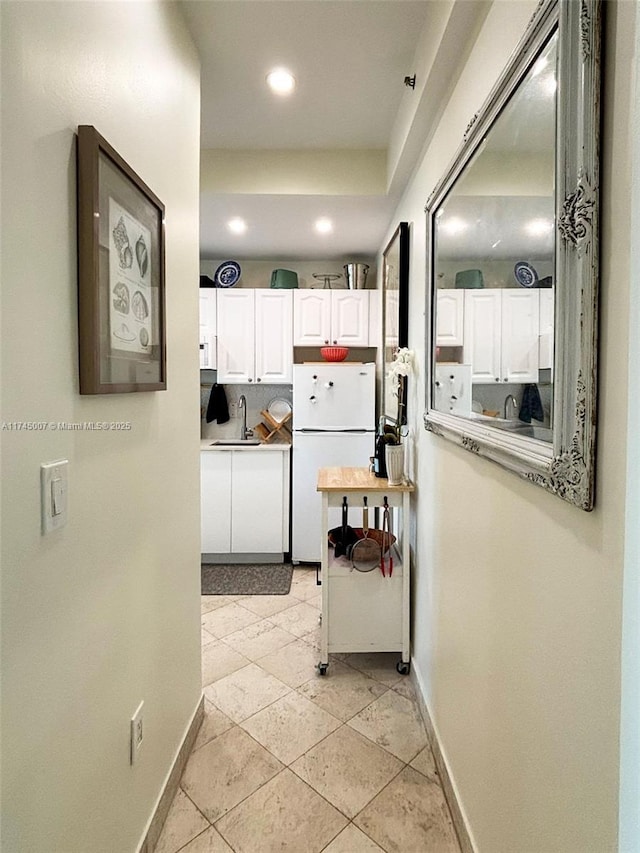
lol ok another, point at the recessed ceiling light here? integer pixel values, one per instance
(237, 225)
(453, 225)
(281, 81)
(324, 225)
(539, 67)
(538, 227)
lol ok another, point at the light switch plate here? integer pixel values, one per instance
(53, 491)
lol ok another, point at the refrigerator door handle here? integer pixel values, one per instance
(315, 431)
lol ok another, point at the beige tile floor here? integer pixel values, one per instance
(289, 761)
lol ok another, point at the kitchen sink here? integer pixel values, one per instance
(236, 442)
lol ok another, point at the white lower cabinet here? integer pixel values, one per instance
(215, 502)
(244, 501)
(257, 501)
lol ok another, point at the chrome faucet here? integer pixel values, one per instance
(244, 432)
(510, 399)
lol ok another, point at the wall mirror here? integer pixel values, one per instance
(512, 234)
(395, 312)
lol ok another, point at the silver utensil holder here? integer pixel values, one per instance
(356, 276)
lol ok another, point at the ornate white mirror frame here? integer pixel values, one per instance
(565, 466)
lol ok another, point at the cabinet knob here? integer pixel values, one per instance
(326, 342)
(497, 379)
(335, 343)
(250, 380)
(437, 384)
(312, 398)
(259, 379)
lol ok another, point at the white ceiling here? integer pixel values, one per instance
(349, 58)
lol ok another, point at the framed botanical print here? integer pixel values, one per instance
(121, 274)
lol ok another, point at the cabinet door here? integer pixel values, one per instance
(208, 329)
(482, 331)
(274, 336)
(257, 502)
(311, 317)
(520, 325)
(350, 318)
(215, 502)
(450, 318)
(236, 345)
(545, 343)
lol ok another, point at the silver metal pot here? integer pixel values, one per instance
(356, 276)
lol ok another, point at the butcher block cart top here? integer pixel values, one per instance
(365, 611)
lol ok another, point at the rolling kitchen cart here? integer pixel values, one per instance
(364, 611)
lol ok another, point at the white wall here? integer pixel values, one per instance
(629, 840)
(104, 613)
(517, 595)
(306, 172)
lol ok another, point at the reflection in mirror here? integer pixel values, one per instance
(494, 272)
(512, 246)
(395, 316)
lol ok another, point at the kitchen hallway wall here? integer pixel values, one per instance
(517, 595)
(103, 613)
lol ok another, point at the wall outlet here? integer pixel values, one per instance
(136, 733)
(233, 410)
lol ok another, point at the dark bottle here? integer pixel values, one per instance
(379, 462)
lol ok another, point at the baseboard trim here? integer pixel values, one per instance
(457, 816)
(172, 782)
(241, 559)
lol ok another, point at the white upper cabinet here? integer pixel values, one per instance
(501, 328)
(547, 323)
(520, 330)
(208, 324)
(254, 336)
(324, 317)
(273, 338)
(236, 336)
(450, 318)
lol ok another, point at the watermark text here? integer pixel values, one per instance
(65, 426)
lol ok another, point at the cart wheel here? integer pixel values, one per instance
(403, 668)
(322, 668)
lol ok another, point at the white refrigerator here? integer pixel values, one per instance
(333, 425)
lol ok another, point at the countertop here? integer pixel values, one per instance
(356, 480)
(282, 447)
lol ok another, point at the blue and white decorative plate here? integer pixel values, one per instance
(227, 274)
(525, 274)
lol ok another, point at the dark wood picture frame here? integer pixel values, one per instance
(121, 273)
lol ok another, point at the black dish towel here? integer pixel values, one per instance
(217, 410)
(531, 405)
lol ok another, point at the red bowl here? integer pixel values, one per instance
(334, 353)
